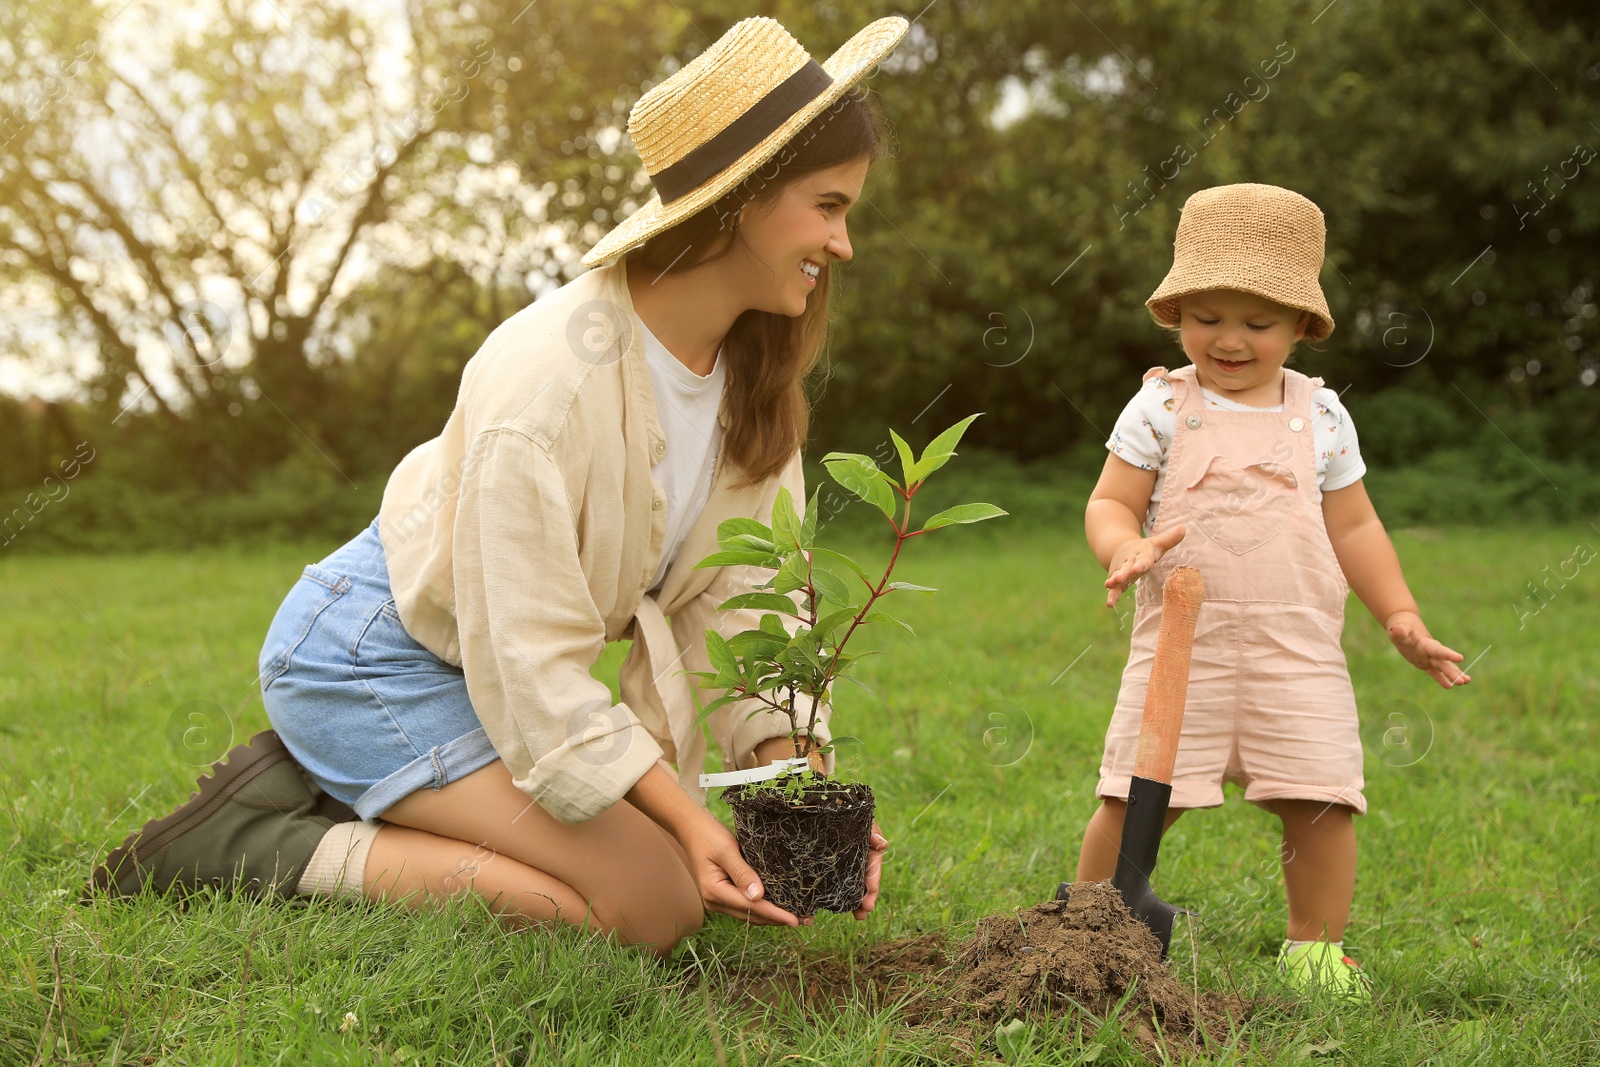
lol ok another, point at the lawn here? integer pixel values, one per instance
(1475, 909)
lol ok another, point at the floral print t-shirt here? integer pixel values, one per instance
(1143, 433)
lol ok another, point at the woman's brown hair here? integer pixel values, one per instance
(769, 355)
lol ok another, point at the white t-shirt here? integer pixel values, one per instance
(1143, 434)
(687, 405)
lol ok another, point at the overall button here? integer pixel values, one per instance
(1193, 422)
(1297, 424)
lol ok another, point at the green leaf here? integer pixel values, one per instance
(808, 526)
(963, 513)
(749, 542)
(742, 526)
(757, 644)
(806, 645)
(792, 575)
(832, 588)
(785, 523)
(908, 460)
(885, 617)
(721, 702)
(762, 602)
(832, 621)
(862, 478)
(941, 449)
(822, 554)
(744, 557)
(720, 655)
(774, 625)
(770, 677)
(910, 588)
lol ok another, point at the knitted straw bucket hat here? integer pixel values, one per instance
(727, 112)
(1258, 239)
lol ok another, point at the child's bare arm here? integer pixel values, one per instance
(1114, 523)
(1368, 559)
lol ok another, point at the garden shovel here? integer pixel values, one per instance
(1158, 751)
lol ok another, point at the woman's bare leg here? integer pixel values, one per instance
(419, 869)
(1102, 840)
(616, 873)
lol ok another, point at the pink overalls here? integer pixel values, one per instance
(1270, 704)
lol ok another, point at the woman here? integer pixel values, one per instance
(600, 436)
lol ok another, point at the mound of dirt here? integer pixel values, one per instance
(1084, 954)
(1080, 957)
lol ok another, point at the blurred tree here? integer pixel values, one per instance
(1046, 151)
(196, 201)
(273, 239)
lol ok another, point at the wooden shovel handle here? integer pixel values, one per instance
(1169, 676)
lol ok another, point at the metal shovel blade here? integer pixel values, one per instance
(1136, 859)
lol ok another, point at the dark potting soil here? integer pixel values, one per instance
(1077, 957)
(810, 852)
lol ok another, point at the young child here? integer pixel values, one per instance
(1250, 472)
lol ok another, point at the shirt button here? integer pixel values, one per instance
(1297, 424)
(656, 504)
(661, 446)
(1193, 422)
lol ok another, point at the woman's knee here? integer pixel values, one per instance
(657, 909)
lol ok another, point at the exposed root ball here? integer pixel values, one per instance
(812, 855)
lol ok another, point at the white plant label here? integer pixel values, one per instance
(753, 774)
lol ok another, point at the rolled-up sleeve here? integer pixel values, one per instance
(739, 727)
(530, 632)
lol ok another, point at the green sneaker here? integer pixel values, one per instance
(255, 823)
(1322, 969)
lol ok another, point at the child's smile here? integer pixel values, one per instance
(1238, 343)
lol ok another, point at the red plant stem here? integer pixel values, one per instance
(900, 538)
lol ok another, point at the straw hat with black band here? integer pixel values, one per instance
(727, 112)
(1259, 239)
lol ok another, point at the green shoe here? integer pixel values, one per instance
(1322, 969)
(254, 823)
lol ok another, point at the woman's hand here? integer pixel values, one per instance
(1418, 646)
(1135, 557)
(877, 844)
(728, 885)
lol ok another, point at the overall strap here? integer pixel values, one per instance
(1186, 387)
(1297, 390)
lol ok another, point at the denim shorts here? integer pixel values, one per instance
(371, 714)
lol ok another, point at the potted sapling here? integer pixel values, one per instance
(805, 834)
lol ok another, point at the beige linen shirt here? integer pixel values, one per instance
(525, 536)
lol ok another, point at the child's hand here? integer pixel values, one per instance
(1411, 637)
(1135, 557)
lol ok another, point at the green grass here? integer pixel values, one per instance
(1475, 908)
